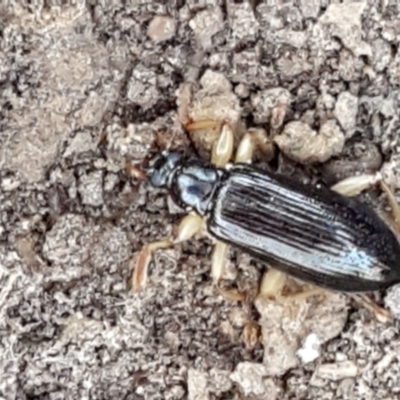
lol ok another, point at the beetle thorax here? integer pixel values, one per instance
(193, 186)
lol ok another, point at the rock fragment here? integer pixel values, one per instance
(252, 379)
(344, 21)
(284, 325)
(197, 385)
(161, 28)
(266, 101)
(301, 143)
(334, 372)
(346, 109)
(91, 188)
(205, 25)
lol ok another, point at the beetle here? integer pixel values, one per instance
(312, 233)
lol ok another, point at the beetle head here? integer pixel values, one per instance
(163, 168)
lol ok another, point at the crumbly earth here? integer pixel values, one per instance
(89, 88)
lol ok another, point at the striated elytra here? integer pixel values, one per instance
(310, 233)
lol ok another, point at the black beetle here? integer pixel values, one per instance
(309, 232)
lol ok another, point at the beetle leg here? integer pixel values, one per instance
(252, 140)
(143, 259)
(223, 147)
(203, 124)
(394, 205)
(221, 155)
(272, 283)
(190, 225)
(245, 150)
(232, 294)
(354, 185)
(380, 313)
(251, 334)
(218, 258)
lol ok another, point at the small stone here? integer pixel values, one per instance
(25, 249)
(176, 392)
(346, 109)
(205, 24)
(250, 377)
(242, 21)
(392, 301)
(197, 385)
(336, 371)
(8, 184)
(219, 380)
(161, 28)
(265, 101)
(112, 249)
(381, 55)
(285, 325)
(383, 365)
(310, 8)
(215, 82)
(311, 349)
(142, 87)
(81, 143)
(389, 31)
(238, 317)
(242, 91)
(344, 20)
(91, 188)
(301, 143)
(292, 65)
(134, 141)
(93, 109)
(110, 182)
(280, 342)
(326, 101)
(69, 240)
(219, 61)
(292, 38)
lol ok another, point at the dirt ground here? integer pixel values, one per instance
(87, 88)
